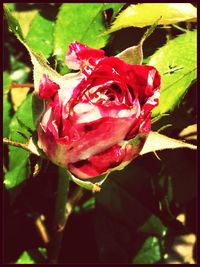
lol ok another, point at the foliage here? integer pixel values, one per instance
(177, 71)
(136, 212)
(145, 14)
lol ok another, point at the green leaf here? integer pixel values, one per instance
(13, 23)
(167, 188)
(40, 35)
(25, 258)
(19, 71)
(178, 181)
(124, 204)
(36, 255)
(18, 158)
(20, 171)
(156, 141)
(40, 63)
(89, 203)
(6, 104)
(115, 7)
(25, 19)
(24, 114)
(6, 116)
(149, 253)
(80, 22)
(177, 63)
(11, 6)
(153, 226)
(6, 82)
(142, 15)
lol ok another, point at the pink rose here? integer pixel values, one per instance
(90, 116)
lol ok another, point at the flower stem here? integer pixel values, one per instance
(63, 209)
(60, 217)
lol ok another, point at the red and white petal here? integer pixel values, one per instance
(102, 162)
(47, 88)
(80, 55)
(98, 136)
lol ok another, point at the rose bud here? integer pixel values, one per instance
(91, 118)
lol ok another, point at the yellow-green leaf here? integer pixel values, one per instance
(156, 141)
(6, 104)
(40, 35)
(25, 19)
(177, 64)
(39, 62)
(13, 23)
(142, 15)
(18, 95)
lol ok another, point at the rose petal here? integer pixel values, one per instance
(97, 136)
(102, 162)
(80, 55)
(47, 88)
(88, 119)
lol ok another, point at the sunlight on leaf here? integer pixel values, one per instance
(182, 249)
(189, 133)
(156, 141)
(18, 95)
(25, 19)
(145, 14)
(40, 35)
(177, 63)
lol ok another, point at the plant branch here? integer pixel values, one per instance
(41, 228)
(16, 144)
(21, 85)
(29, 145)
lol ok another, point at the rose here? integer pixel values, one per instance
(98, 118)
